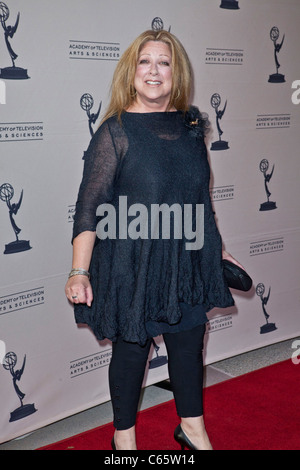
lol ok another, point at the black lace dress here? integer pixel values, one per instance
(144, 286)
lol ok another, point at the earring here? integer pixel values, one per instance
(133, 92)
(178, 94)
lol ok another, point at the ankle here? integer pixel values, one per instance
(194, 428)
(193, 425)
(125, 440)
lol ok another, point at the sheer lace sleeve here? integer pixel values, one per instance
(97, 186)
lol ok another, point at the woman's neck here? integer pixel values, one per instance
(141, 107)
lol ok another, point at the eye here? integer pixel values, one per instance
(167, 64)
(144, 61)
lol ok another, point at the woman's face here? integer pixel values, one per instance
(153, 77)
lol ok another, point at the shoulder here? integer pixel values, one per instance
(110, 128)
(109, 125)
(111, 134)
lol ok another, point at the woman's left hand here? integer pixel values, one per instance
(229, 257)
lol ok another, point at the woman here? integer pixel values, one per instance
(149, 151)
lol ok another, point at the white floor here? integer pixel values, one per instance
(151, 396)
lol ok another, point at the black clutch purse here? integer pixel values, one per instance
(236, 277)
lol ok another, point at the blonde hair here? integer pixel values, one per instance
(123, 93)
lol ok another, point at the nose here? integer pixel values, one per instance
(153, 70)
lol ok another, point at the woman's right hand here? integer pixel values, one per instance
(79, 290)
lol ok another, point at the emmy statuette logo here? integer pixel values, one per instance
(158, 24)
(9, 363)
(230, 4)
(274, 35)
(268, 205)
(86, 103)
(268, 327)
(215, 103)
(6, 195)
(10, 73)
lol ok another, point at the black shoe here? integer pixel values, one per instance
(182, 439)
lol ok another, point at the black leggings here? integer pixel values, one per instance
(185, 363)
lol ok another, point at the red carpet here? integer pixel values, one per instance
(257, 411)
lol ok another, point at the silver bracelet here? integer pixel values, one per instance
(79, 272)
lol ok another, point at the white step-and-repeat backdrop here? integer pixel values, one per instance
(56, 64)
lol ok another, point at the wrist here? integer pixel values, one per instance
(79, 272)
